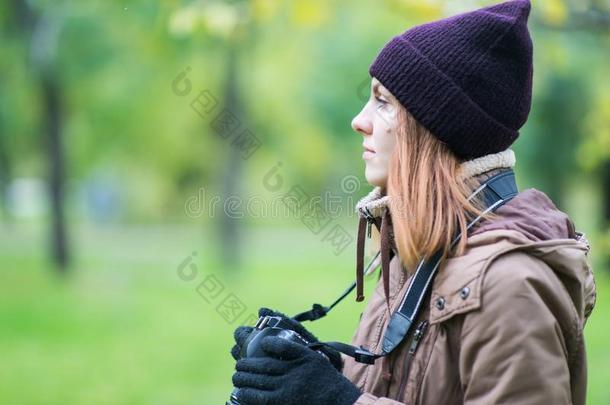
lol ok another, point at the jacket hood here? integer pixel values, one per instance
(530, 221)
(533, 224)
(533, 214)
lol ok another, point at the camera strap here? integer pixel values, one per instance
(496, 191)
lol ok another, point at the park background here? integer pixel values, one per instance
(122, 122)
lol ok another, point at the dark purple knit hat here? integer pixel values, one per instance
(466, 78)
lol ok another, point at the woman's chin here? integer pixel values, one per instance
(374, 179)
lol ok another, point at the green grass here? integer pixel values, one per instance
(124, 328)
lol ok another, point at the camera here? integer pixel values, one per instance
(266, 326)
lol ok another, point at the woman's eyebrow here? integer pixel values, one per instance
(377, 90)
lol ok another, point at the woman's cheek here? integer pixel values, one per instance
(385, 163)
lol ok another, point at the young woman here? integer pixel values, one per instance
(503, 320)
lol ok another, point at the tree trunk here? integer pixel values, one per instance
(231, 246)
(52, 128)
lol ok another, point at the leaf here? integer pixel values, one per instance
(310, 13)
(595, 149)
(555, 12)
(264, 10)
(420, 10)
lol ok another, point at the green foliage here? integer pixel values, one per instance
(300, 68)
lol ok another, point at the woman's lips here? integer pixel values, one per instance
(368, 152)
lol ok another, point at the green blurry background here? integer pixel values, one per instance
(145, 152)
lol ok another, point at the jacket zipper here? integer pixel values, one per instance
(417, 336)
(368, 227)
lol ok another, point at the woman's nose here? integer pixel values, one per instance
(362, 125)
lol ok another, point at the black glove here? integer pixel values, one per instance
(240, 335)
(292, 374)
(242, 332)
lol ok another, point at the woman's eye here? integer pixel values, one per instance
(381, 102)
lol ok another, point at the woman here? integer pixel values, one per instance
(503, 322)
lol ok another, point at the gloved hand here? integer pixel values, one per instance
(292, 374)
(241, 334)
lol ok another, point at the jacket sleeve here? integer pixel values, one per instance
(368, 399)
(513, 348)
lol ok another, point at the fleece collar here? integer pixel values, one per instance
(376, 202)
(373, 208)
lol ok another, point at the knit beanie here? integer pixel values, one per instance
(466, 78)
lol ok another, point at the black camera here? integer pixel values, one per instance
(266, 326)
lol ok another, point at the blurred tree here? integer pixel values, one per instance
(41, 31)
(5, 167)
(229, 231)
(558, 121)
(44, 55)
(14, 25)
(289, 71)
(228, 22)
(594, 16)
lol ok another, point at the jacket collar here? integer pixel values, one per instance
(376, 201)
(374, 209)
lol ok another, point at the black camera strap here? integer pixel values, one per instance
(319, 311)
(496, 191)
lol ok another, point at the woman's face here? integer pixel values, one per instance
(377, 122)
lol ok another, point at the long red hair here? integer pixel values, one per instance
(428, 193)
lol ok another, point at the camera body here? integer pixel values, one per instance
(266, 326)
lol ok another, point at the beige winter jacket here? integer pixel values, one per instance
(503, 323)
